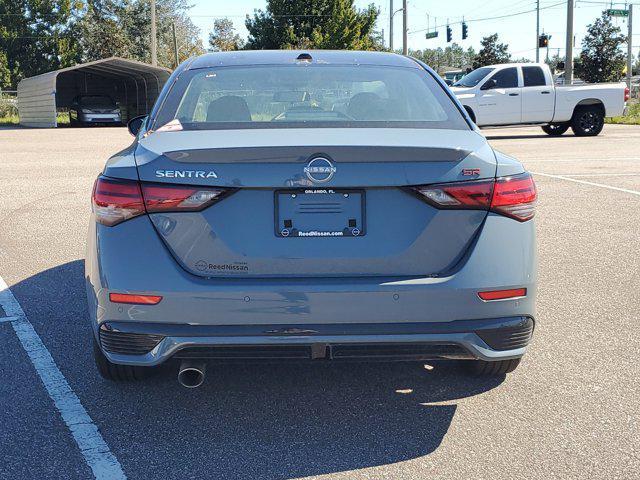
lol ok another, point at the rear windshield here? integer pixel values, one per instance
(279, 96)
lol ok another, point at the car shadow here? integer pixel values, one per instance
(276, 421)
(526, 137)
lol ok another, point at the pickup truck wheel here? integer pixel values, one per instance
(555, 129)
(587, 121)
(489, 369)
(115, 372)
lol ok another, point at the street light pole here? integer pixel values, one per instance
(405, 48)
(568, 62)
(391, 12)
(629, 47)
(154, 55)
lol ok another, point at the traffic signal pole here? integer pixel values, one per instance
(537, 31)
(405, 47)
(568, 62)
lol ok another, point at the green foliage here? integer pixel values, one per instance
(38, 36)
(491, 52)
(34, 38)
(451, 56)
(632, 117)
(602, 58)
(122, 28)
(322, 24)
(224, 37)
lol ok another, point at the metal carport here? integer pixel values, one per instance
(135, 85)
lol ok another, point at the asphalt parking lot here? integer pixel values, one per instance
(570, 411)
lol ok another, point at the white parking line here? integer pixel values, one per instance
(94, 449)
(562, 177)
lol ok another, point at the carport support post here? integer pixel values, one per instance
(154, 55)
(629, 47)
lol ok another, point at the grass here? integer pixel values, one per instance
(9, 120)
(632, 117)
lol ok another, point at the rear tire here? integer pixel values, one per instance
(555, 129)
(482, 368)
(116, 372)
(587, 121)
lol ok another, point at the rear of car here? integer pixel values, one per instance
(320, 205)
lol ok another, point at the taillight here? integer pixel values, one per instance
(178, 198)
(116, 200)
(513, 196)
(626, 94)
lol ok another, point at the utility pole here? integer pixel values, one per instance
(629, 47)
(391, 12)
(175, 46)
(405, 49)
(154, 55)
(568, 62)
(537, 31)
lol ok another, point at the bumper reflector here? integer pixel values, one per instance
(503, 294)
(135, 299)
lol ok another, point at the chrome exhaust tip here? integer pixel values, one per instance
(191, 374)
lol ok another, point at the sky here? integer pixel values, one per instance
(517, 28)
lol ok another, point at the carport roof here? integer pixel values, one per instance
(115, 66)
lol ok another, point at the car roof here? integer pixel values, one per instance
(290, 57)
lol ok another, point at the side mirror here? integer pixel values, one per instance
(489, 84)
(135, 124)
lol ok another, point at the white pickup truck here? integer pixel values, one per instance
(524, 93)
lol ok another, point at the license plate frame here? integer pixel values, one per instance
(335, 209)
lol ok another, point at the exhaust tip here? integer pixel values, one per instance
(191, 375)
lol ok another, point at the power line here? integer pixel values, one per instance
(489, 18)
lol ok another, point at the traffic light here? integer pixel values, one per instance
(543, 41)
(449, 34)
(465, 31)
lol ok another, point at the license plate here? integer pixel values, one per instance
(320, 212)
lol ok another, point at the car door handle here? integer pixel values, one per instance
(546, 92)
(514, 94)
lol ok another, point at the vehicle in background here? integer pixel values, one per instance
(558, 79)
(453, 76)
(93, 110)
(515, 93)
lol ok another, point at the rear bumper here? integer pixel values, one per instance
(200, 312)
(153, 343)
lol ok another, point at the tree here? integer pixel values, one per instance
(122, 28)
(451, 56)
(602, 58)
(224, 37)
(491, 52)
(322, 24)
(34, 38)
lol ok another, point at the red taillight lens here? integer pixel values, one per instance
(178, 198)
(135, 299)
(513, 196)
(503, 294)
(459, 195)
(115, 201)
(626, 94)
